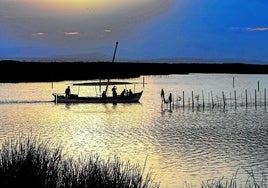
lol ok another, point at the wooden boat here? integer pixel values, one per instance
(122, 98)
(75, 98)
(134, 98)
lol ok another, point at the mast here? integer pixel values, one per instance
(115, 49)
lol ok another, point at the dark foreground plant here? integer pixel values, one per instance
(232, 183)
(29, 162)
(95, 172)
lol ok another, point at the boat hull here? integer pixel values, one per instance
(134, 98)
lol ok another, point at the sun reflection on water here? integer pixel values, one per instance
(182, 146)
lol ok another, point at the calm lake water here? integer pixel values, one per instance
(183, 146)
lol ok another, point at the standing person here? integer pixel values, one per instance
(67, 92)
(114, 91)
(162, 95)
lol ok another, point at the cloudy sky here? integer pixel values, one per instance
(145, 29)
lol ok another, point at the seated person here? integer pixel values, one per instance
(104, 94)
(123, 93)
(129, 92)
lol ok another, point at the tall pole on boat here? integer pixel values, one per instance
(115, 49)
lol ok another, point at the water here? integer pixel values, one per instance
(183, 147)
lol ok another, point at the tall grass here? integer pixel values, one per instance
(233, 183)
(29, 162)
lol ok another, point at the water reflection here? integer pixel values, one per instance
(182, 145)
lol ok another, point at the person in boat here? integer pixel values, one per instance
(67, 92)
(114, 91)
(123, 93)
(104, 95)
(129, 92)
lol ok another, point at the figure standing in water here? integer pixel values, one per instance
(162, 95)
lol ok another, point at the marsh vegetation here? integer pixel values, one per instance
(29, 162)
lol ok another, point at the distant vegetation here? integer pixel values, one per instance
(28, 162)
(16, 71)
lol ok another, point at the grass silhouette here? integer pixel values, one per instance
(29, 162)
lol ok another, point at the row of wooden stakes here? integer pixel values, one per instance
(246, 99)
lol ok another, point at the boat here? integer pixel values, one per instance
(118, 98)
(127, 97)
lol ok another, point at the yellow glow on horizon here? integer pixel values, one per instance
(76, 6)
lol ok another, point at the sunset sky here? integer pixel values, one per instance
(145, 29)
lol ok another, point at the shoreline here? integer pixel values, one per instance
(21, 71)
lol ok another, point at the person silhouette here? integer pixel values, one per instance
(104, 95)
(67, 92)
(123, 93)
(129, 92)
(162, 95)
(114, 91)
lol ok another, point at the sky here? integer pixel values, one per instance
(145, 29)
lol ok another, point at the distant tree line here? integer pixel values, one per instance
(20, 71)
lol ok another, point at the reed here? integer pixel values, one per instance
(93, 171)
(233, 183)
(29, 162)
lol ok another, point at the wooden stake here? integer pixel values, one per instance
(246, 98)
(212, 99)
(235, 98)
(223, 98)
(255, 98)
(170, 101)
(192, 99)
(265, 97)
(173, 100)
(189, 102)
(260, 98)
(203, 99)
(183, 99)
(250, 98)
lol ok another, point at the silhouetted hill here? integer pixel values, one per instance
(17, 71)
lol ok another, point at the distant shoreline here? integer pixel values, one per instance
(20, 71)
